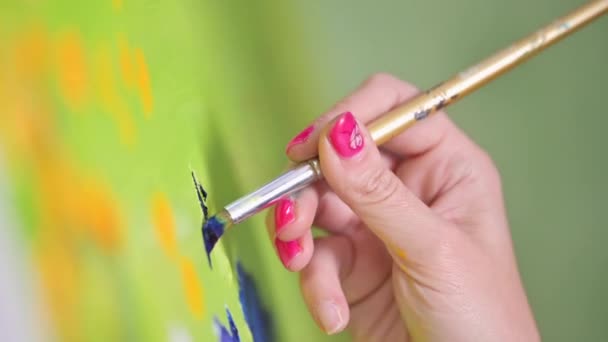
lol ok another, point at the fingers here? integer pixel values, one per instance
(376, 95)
(289, 223)
(321, 283)
(353, 168)
(293, 252)
(348, 272)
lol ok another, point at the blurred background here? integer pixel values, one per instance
(107, 106)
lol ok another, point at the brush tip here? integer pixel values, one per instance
(213, 229)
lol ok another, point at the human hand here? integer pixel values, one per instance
(419, 247)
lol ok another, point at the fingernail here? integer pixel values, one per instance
(284, 213)
(330, 317)
(287, 250)
(345, 136)
(301, 137)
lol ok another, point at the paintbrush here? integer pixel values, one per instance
(399, 119)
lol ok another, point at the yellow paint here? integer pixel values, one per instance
(401, 253)
(71, 67)
(163, 219)
(192, 288)
(56, 183)
(31, 52)
(74, 211)
(117, 5)
(126, 64)
(143, 82)
(25, 119)
(24, 122)
(111, 100)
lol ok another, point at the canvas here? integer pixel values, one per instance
(109, 108)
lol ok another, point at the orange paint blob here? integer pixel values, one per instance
(143, 81)
(72, 69)
(163, 219)
(192, 288)
(103, 219)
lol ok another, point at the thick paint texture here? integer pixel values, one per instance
(213, 229)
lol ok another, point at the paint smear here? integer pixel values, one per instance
(192, 288)
(126, 64)
(224, 334)
(401, 254)
(103, 218)
(111, 100)
(143, 81)
(258, 318)
(72, 69)
(163, 219)
(31, 52)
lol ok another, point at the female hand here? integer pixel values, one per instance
(419, 247)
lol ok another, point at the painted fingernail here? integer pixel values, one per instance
(284, 213)
(345, 136)
(287, 250)
(301, 137)
(330, 317)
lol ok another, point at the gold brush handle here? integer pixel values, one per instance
(399, 119)
(396, 121)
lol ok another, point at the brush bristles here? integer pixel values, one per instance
(213, 229)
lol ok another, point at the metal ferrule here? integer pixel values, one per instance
(289, 182)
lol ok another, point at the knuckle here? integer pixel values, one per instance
(381, 78)
(341, 106)
(477, 168)
(393, 85)
(338, 108)
(324, 119)
(489, 168)
(376, 186)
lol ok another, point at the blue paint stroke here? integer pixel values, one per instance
(256, 316)
(212, 230)
(223, 334)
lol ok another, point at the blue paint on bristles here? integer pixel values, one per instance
(213, 229)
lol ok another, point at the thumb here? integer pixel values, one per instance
(353, 167)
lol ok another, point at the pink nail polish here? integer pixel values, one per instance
(301, 137)
(345, 136)
(284, 213)
(287, 250)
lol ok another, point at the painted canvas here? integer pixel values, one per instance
(112, 111)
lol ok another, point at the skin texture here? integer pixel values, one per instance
(419, 247)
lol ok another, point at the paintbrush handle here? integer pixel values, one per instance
(418, 108)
